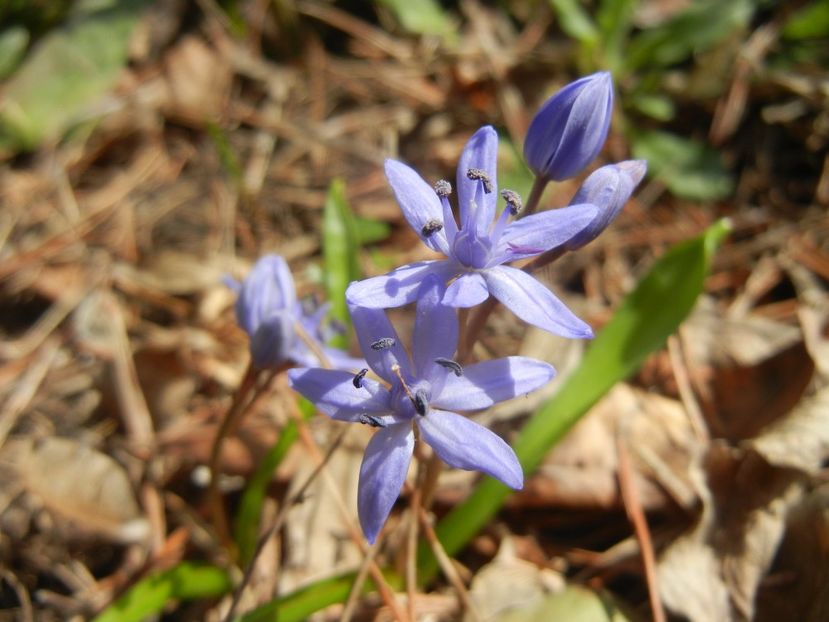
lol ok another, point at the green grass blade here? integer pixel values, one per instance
(148, 597)
(339, 250)
(645, 319)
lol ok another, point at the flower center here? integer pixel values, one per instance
(411, 400)
(470, 250)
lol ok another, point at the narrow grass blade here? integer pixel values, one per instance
(147, 598)
(339, 250)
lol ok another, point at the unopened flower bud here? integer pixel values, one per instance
(570, 128)
(608, 188)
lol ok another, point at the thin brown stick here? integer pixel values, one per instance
(231, 419)
(446, 565)
(635, 514)
(360, 579)
(411, 542)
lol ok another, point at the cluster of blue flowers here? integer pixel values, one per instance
(418, 393)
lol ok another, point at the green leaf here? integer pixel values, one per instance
(147, 598)
(701, 26)
(575, 21)
(370, 230)
(67, 72)
(809, 22)
(13, 42)
(340, 247)
(655, 106)
(512, 171)
(297, 606)
(689, 169)
(614, 18)
(421, 17)
(644, 320)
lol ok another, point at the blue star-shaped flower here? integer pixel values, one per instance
(477, 248)
(422, 392)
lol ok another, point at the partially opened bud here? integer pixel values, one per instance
(571, 127)
(268, 288)
(273, 342)
(608, 188)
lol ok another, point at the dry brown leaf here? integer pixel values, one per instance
(800, 440)
(713, 572)
(581, 470)
(81, 485)
(755, 369)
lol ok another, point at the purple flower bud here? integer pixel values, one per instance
(570, 129)
(608, 188)
(268, 311)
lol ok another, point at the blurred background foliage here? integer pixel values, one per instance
(672, 62)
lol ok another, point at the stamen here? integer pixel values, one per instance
(395, 369)
(477, 174)
(514, 203)
(421, 402)
(443, 188)
(358, 378)
(383, 344)
(374, 422)
(450, 364)
(432, 226)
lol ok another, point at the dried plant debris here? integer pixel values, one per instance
(81, 485)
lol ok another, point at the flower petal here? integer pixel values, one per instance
(481, 151)
(397, 288)
(372, 325)
(382, 474)
(534, 303)
(540, 232)
(334, 393)
(273, 342)
(419, 203)
(436, 328)
(342, 360)
(463, 444)
(468, 290)
(489, 382)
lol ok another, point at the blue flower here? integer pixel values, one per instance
(477, 248)
(608, 188)
(281, 332)
(570, 128)
(422, 392)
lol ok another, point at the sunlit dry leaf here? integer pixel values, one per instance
(581, 470)
(83, 486)
(508, 584)
(755, 369)
(713, 572)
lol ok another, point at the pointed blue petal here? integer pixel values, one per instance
(489, 382)
(397, 288)
(534, 303)
(436, 328)
(268, 288)
(371, 326)
(463, 444)
(419, 203)
(481, 151)
(382, 474)
(334, 393)
(537, 233)
(468, 290)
